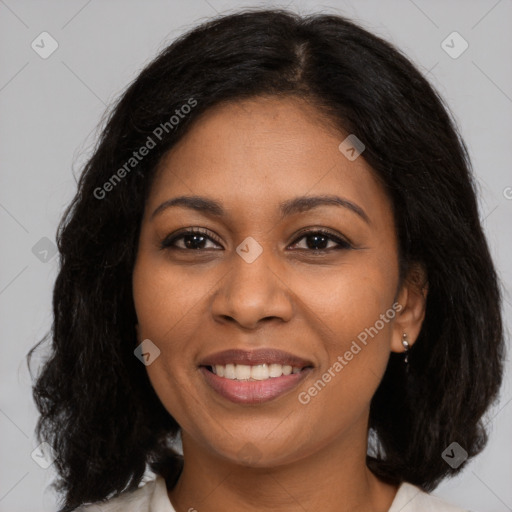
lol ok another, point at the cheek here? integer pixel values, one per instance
(355, 310)
(164, 297)
(351, 297)
(355, 362)
(168, 306)
(164, 304)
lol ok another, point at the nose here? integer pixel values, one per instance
(252, 292)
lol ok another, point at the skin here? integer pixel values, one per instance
(191, 303)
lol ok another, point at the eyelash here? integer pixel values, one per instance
(168, 242)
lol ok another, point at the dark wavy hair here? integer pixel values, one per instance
(97, 407)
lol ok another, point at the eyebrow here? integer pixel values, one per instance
(287, 208)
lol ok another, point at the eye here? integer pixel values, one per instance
(193, 239)
(319, 237)
(197, 239)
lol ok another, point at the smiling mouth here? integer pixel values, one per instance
(253, 384)
(257, 372)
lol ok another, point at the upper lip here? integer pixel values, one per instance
(253, 357)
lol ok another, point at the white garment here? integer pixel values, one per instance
(153, 497)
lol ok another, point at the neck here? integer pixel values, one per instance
(334, 478)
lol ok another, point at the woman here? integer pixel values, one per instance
(275, 256)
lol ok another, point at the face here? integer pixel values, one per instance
(260, 275)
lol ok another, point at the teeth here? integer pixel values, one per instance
(242, 372)
(258, 372)
(255, 372)
(229, 371)
(275, 370)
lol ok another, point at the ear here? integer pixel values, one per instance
(412, 297)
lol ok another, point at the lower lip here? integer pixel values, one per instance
(253, 392)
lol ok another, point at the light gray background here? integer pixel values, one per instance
(49, 109)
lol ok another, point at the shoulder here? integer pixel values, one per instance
(151, 496)
(410, 498)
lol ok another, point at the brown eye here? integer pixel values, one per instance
(192, 239)
(197, 239)
(317, 240)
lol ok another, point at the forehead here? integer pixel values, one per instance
(258, 152)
